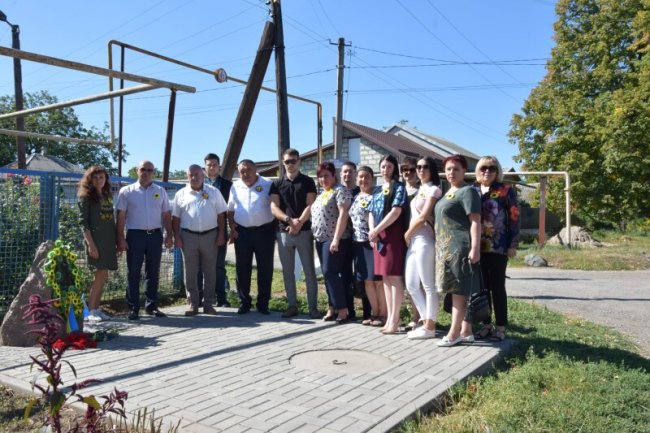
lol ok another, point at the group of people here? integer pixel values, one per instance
(373, 239)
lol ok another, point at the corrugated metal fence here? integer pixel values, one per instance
(36, 206)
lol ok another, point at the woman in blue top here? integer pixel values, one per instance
(387, 238)
(499, 240)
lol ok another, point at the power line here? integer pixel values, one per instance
(419, 21)
(453, 62)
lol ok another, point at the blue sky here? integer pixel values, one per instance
(458, 69)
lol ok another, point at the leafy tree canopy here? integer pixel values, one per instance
(64, 122)
(590, 115)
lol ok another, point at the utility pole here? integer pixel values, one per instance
(281, 85)
(338, 132)
(18, 92)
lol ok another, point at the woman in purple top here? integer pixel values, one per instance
(499, 240)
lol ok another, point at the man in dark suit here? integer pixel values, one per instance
(212, 177)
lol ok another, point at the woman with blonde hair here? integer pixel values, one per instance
(499, 241)
(97, 220)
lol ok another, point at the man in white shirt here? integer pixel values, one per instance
(252, 230)
(143, 208)
(198, 221)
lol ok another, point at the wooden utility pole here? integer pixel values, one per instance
(338, 132)
(240, 128)
(281, 85)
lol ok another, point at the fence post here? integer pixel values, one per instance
(178, 270)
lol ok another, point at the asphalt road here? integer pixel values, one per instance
(617, 299)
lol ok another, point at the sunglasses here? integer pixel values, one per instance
(408, 170)
(422, 167)
(290, 161)
(490, 168)
(146, 169)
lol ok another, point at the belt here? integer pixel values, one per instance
(149, 232)
(263, 226)
(199, 233)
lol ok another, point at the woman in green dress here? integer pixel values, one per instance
(458, 242)
(97, 220)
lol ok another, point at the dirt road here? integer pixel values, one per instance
(617, 299)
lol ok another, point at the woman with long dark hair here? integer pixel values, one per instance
(387, 238)
(420, 275)
(97, 220)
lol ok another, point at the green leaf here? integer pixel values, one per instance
(92, 402)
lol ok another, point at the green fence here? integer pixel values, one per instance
(36, 206)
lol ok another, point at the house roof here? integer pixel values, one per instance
(439, 145)
(40, 162)
(393, 143)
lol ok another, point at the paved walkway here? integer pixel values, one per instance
(256, 373)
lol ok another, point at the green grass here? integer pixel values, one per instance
(619, 253)
(564, 375)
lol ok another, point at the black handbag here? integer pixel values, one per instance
(478, 304)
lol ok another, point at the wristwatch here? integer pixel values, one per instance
(287, 219)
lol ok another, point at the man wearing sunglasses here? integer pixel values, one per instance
(143, 209)
(292, 207)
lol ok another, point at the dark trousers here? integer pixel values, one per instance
(222, 280)
(347, 274)
(493, 272)
(143, 248)
(258, 241)
(331, 265)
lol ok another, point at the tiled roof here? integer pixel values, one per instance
(398, 145)
(438, 144)
(40, 162)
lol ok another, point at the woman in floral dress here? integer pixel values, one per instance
(499, 241)
(458, 235)
(362, 251)
(329, 214)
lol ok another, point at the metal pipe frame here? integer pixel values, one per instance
(319, 106)
(53, 61)
(52, 137)
(79, 101)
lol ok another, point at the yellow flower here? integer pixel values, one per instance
(156, 195)
(386, 191)
(325, 196)
(450, 196)
(205, 195)
(494, 195)
(364, 204)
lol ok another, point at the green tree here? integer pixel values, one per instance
(64, 122)
(590, 115)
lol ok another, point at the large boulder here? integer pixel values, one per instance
(14, 329)
(579, 238)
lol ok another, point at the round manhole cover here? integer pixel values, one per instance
(340, 361)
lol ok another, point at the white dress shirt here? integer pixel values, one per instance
(252, 205)
(143, 206)
(198, 210)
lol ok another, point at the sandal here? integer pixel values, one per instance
(498, 336)
(411, 326)
(485, 332)
(378, 321)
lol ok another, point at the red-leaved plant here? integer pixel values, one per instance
(50, 361)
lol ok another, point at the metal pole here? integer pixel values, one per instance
(567, 192)
(120, 142)
(26, 55)
(53, 137)
(79, 101)
(541, 234)
(18, 94)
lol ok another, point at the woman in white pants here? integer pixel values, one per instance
(420, 269)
